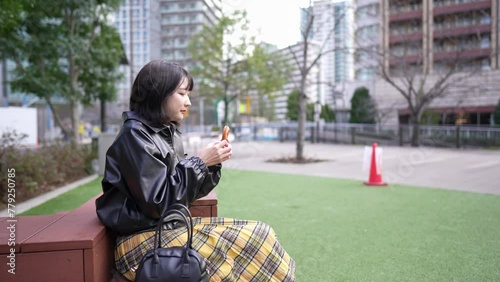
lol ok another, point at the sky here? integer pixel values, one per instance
(276, 21)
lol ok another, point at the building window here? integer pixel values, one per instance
(485, 42)
(485, 64)
(485, 19)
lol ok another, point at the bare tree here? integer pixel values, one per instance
(382, 115)
(305, 59)
(231, 68)
(408, 65)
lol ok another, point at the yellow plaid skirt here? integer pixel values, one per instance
(237, 250)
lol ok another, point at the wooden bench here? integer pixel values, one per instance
(68, 246)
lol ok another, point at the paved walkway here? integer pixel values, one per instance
(466, 170)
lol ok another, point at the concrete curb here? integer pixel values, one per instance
(33, 202)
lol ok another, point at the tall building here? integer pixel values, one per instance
(152, 29)
(333, 31)
(137, 27)
(366, 39)
(429, 37)
(431, 34)
(180, 19)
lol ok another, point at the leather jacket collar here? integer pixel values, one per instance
(128, 115)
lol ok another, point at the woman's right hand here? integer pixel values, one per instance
(216, 152)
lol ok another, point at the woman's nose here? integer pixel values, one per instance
(187, 102)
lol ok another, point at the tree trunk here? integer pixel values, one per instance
(57, 119)
(415, 131)
(75, 120)
(301, 132)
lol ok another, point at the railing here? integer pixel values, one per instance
(459, 136)
(441, 3)
(396, 9)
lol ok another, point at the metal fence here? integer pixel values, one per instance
(438, 136)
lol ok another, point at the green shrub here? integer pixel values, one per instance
(496, 114)
(363, 107)
(42, 169)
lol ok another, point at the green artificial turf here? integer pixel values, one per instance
(340, 230)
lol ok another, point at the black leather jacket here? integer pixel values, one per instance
(146, 172)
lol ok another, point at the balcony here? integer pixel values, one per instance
(460, 30)
(410, 37)
(404, 16)
(407, 12)
(465, 7)
(407, 60)
(460, 55)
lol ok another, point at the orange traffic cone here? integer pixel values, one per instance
(375, 174)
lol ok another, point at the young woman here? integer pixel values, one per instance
(146, 172)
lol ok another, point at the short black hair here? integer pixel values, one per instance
(155, 82)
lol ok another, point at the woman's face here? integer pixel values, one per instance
(177, 104)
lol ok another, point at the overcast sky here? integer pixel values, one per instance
(277, 20)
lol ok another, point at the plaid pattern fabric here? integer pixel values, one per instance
(237, 250)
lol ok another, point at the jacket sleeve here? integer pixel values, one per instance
(153, 185)
(211, 180)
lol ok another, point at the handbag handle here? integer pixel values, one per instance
(187, 212)
(189, 226)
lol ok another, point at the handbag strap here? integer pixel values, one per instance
(185, 209)
(189, 226)
(181, 207)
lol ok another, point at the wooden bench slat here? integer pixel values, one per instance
(25, 227)
(208, 200)
(78, 229)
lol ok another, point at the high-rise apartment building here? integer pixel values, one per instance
(366, 39)
(333, 31)
(152, 29)
(429, 37)
(180, 20)
(430, 34)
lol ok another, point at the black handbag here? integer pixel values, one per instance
(175, 264)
